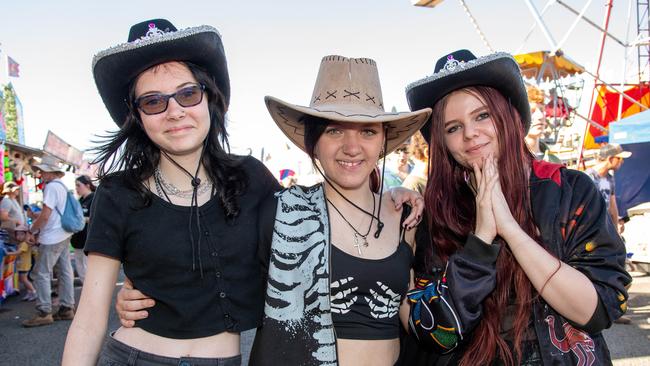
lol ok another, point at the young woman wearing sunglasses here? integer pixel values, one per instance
(174, 208)
(171, 197)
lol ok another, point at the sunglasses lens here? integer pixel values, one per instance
(152, 104)
(190, 96)
(157, 103)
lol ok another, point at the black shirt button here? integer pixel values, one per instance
(207, 233)
(227, 316)
(218, 274)
(222, 295)
(214, 254)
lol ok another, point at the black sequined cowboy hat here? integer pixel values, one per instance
(461, 69)
(151, 43)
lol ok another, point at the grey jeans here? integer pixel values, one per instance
(116, 353)
(50, 256)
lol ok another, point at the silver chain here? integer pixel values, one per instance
(163, 186)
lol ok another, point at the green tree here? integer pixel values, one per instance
(11, 119)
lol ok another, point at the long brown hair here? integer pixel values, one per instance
(452, 216)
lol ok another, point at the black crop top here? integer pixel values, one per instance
(366, 293)
(154, 246)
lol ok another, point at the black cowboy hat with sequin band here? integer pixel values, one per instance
(461, 69)
(151, 43)
(346, 90)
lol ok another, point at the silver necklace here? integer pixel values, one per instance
(162, 187)
(360, 240)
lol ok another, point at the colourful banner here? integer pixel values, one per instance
(3, 125)
(606, 109)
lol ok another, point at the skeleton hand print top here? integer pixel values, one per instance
(366, 293)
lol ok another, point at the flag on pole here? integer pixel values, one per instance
(13, 67)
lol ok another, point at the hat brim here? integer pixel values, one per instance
(116, 67)
(400, 125)
(47, 168)
(9, 190)
(624, 154)
(500, 72)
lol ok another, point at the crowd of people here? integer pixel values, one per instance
(466, 247)
(42, 245)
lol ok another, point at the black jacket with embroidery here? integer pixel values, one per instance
(575, 226)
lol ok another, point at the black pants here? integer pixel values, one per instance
(116, 353)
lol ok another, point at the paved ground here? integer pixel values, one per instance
(43, 346)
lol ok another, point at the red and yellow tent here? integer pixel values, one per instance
(606, 109)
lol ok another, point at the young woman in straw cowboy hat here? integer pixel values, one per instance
(517, 261)
(174, 207)
(337, 256)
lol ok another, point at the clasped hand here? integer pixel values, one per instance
(493, 215)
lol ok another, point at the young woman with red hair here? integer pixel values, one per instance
(517, 262)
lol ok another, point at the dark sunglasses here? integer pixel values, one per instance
(188, 96)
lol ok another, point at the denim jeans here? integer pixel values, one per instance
(116, 353)
(50, 256)
(80, 263)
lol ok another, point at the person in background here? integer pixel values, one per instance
(24, 265)
(86, 191)
(11, 214)
(53, 250)
(537, 121)
(516, 263)
(610, 159)
(419, 150)
(398, 166)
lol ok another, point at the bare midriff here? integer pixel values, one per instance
(217, 346)
(359, 352)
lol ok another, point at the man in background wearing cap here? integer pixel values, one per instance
(54, 248)
(610, 159)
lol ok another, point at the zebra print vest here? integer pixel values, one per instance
(297, 327)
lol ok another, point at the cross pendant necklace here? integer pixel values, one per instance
(360, 241)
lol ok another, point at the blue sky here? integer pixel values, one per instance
(273, 47)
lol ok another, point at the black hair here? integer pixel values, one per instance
(314, 128)
(85, 180)
(131, 149)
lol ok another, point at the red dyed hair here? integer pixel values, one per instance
(451, 212)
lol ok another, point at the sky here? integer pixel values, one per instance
(274, 48)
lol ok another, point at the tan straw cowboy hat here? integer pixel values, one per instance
(346, 90)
